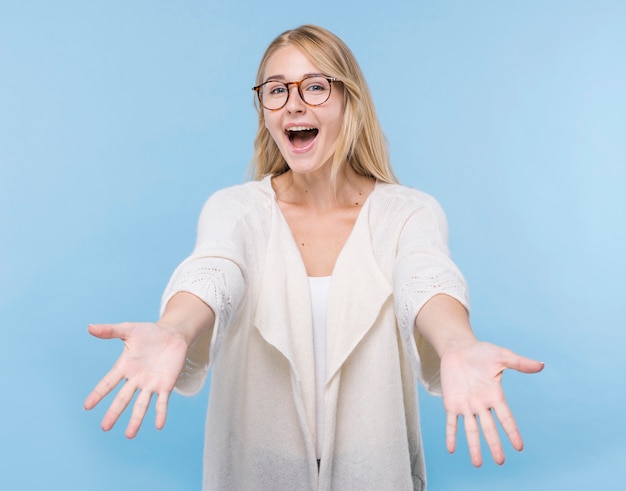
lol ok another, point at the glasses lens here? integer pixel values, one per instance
(273, 94)
(315, 90)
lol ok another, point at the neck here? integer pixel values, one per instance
(319, 192)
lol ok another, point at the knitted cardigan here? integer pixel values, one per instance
(260, 429)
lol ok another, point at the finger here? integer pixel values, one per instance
(139, 411)
(109, 331)
(451, 427)
(472, 434)
(492, 437)
(106, 385)
(119, 404)
(521, 363)
(161, 409)
(507, 421)
(528, 365)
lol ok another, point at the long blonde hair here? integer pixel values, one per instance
(361, 142)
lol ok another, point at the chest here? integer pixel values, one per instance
(320, 236)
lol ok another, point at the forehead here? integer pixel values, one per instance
(289, 63)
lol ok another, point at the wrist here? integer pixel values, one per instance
(457, 343)
(187, 316)
(175, 330)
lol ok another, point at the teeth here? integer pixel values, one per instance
(301, 128)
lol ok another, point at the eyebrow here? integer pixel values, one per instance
(282, 77)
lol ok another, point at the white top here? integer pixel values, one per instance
(319, 286)
(261, 420)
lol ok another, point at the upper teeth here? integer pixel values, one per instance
(300, 128)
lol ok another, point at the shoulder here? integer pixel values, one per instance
(240, 200)
(245, 195)
(396, 199)
(408, 214)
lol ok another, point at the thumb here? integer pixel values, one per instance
(523, 364)
(109, 331)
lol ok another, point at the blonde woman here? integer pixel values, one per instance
(318, 294)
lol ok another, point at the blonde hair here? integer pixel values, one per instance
(361, 142)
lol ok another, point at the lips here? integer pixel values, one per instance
(301, 136)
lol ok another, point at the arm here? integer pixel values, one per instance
(471, 377)
(151, 361)
(444, 322)
(188, 315)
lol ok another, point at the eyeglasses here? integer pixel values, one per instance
(314, 90)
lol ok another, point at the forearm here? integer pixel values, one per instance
(444, 322)
(188, 316)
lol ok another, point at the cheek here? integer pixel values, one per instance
(338, 122)
(271, 124)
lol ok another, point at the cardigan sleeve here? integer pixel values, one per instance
(215, 273)
(423, 269)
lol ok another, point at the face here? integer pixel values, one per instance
(305, 135)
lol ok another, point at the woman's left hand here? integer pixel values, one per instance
(471, 379)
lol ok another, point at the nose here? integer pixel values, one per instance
(294, 102)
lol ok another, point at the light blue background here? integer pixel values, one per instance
(119, 118)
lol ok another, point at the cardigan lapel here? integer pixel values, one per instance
(283, 314)
(357, 293)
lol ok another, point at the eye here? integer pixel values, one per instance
(272, 88)
(315, 85)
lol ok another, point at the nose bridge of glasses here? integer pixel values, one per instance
(298, 89)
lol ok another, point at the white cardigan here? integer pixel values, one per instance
(260, 430)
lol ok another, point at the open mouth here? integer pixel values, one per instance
(301, 136)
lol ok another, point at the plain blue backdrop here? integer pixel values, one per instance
(119, 118)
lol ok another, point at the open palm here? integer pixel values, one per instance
(150, 363)
(471, 380)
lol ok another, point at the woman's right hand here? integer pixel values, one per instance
(152, 359)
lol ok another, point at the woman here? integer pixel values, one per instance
(319, 294)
